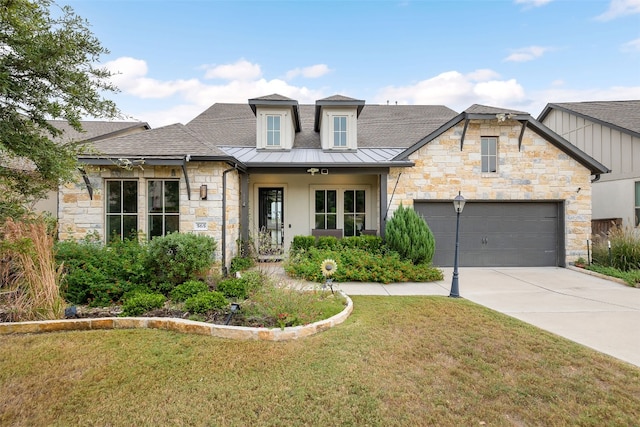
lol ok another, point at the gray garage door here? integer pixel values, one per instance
(512, 234)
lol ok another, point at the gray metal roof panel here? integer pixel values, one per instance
(252, 157)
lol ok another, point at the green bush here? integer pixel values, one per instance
(408, 234)
(98, 274)
(188, 289)
(303, 242)
(140, 303)
(241, 264)
(241, 287)
(372, 244)
(205, 302)
(357, 265)
(327, 242)
(178, 257)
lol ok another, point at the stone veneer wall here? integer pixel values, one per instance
(79, 215)
(539, 171)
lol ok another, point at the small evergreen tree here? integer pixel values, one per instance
(408, 234)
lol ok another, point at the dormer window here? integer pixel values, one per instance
(339, 131)
(273, 130)
(277, 121)
(337, 122)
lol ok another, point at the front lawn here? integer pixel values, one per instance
(396, 361)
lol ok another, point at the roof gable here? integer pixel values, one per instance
(621, 115)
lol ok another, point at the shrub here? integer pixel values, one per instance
(205, 302)
(408, 234)
(241, 287)
(100, 275)
(302, 243)
(357, 265)
(140, 303)
(188, 289)
(241, 264)
(178, 257)
(327, 242)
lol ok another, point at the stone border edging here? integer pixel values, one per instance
(179, 325)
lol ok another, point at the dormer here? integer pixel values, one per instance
(337, 121)
(277, 121)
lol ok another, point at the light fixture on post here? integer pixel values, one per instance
(203, 192)
(458, 205)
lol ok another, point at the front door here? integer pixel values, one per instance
(271, 222)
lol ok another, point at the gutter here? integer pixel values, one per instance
(225, 272)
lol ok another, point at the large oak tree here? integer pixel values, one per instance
(48, 70)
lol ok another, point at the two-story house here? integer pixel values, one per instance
(609, 131)
(263, 172)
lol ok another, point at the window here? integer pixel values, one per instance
(340, 131)
(326, 210)
(273, 131)
(637, 203)
(164, 207)
(354, 212)
(489, 154)
(122, 209)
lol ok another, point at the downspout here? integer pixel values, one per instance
(225, 272)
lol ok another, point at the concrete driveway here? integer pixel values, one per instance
(595, 312)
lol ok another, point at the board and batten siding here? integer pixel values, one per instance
(617, 150)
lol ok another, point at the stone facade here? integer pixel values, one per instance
(536, 171)
(79, 215)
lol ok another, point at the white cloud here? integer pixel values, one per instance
(561, 94)
(526, 54)
(244, 81)
(533, 3)
(619, 8)
(457, 91)
(241, 70)
(129, 76)
(311, 72)
(631, 46)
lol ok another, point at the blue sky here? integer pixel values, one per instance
(174, 59)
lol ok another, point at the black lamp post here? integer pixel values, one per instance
(458, 205)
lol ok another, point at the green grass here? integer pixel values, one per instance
(631, 277)
(397, 361)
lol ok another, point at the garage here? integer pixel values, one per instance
(497, 234)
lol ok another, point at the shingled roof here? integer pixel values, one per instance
(379, 126)
(622, 115)
(94, 130)
(168, 142)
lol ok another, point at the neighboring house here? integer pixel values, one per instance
(91, 131)
(609, 131)
(271, 169)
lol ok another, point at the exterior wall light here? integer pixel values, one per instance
(203, 192)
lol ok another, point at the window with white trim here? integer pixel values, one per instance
(163, 207)
(339, 131)
(326, 209)
(489, 154)
(340, 208)
(354, 212)
(273, 130)
(121, 209)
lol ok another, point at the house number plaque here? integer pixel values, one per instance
(200, 226)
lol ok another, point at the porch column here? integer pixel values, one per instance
(383, 203)
(244, 212)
